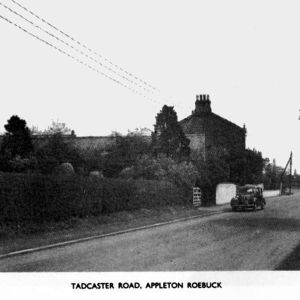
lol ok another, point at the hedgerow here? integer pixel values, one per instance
(27, 199)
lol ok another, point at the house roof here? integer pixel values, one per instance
(196, 123)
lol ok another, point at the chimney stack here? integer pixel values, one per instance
(202, 104)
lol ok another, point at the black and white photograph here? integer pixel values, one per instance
(149, 147)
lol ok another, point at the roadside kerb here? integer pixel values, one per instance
(99, 236)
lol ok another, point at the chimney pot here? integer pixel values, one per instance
(202, 104)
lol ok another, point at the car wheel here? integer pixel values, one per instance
(262, 206)
(254, 207)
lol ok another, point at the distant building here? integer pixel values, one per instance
(83, 143)
(206, 130)
(203, 128)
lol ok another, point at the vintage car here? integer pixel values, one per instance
(248, 197)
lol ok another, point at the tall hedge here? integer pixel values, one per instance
(35, 199)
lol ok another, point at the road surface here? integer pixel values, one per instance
(258, 240)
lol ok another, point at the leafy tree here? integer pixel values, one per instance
(17, 139)
(57, 149)
(125, 153)
(296, 179)
(162, 168)
(58, 128)
(55, 128)
(212, 169)
(168, 137)
(254, 165)
(93, 159)
(236, 161)
(273, 174)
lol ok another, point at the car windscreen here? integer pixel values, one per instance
(245, 190)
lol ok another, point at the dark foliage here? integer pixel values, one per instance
(212, 170)
(183, 174)
(125, 153)
(56, 151)
(92, 160)
(27, 200)
(254, 165)
(36, 199)
(236, 163)
(272, 175)
(17, 139)
(168, 137)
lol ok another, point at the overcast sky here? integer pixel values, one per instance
(245, 54)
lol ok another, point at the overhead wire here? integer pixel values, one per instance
(75, 59)
(74, 48)
(84, 45)
(90, 50)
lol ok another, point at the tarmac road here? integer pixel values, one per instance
(257, 240)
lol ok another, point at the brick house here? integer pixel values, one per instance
(207, 130)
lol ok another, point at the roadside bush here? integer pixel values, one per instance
(37, 199)
(56, 151)
(125, 153)
(65, 169)
(152, 193)
(182, 174)
(132, 194)
(117, 195)
(92, 160)
(28, 200)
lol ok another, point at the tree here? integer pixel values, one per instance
(273, 175)
(168, 137)
(58, 128)
(58, 148)
(254, 165)
(126, 151)
(17, 139)
(212, 169)
(55, 128)
(162, 168)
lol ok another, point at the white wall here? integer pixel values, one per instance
(271, 193)
(225, 192)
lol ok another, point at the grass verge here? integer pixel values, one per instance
(76, 228)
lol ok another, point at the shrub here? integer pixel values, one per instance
(55, 151)
(117, 194)
(92, 159)
(182, 174)
(65, 169)
(152, 193)
(37, 199)
(27, 200)
(125, 153)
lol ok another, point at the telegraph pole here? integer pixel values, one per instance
(290, 177)
(290, 162)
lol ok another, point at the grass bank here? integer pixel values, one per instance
(79, 228)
